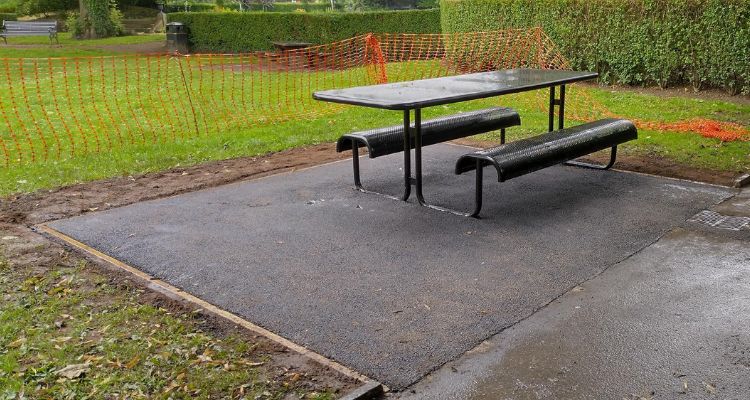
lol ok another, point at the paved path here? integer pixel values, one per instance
(392, 289)
(670, 322)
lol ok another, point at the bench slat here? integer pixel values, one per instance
(26, 34)
(384, 141)
(528, 155)
(29, 28)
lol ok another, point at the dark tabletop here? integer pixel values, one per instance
(292, 44)
(451, 89)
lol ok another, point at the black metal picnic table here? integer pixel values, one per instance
(419, 94)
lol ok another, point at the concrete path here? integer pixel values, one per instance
(670, 322)
(391, 289)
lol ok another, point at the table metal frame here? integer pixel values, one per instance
(417, 181)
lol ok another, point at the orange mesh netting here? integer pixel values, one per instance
(58, 108)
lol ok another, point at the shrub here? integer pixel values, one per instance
(103, 20)
(635, 42)
(8, 7)
(277, 7)
(31, 7)
(8, 17)
(238, 32)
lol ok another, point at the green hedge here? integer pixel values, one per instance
(705, 43)
(8, 17)
(290, 7)
(277, 7)
(238, 32)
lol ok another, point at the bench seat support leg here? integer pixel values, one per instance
(355, 165)
(612, 159)
(408, 180)
(478, 191)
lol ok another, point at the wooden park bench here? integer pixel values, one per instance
(30, 28)
(383, 141)
(561, 146)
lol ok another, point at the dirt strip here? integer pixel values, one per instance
(68, 201)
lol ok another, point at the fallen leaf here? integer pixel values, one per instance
(73, 371)
(203, 358)
(17, 343)
(133, 361)
(251, 364)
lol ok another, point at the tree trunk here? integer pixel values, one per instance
(88, 32)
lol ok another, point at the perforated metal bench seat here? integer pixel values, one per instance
(389, 140)
(528, 155)
(384, 141)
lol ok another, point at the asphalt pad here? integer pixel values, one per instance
(388, 288)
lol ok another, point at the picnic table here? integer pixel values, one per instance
(287, 46)
(413, 96)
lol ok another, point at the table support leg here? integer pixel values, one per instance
(418, 173)
(553, 101)
(407, 157)
(561, 104)
(551, 115)
(418, 155)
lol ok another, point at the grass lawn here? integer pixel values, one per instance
(39, 46)
(68, 332)
(238, 139)
(89, 118)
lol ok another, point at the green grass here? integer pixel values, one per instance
(40, 47)
(148, 126)
(685, 148)
(55, 317)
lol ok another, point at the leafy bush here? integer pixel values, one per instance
(8, 17)
(635, 42)
(238, 32)
(31, 7)
(277, 7)
(103, 20)
(8, 7)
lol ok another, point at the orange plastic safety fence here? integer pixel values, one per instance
(57, 108)
(460, 53)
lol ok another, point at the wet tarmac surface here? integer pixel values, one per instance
(670, 322)
(388, 288)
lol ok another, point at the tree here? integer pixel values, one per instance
(96, 19)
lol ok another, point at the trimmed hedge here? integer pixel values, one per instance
(239, 32)
(705, 43)
(291, 7)
(8, 17)
(277, 7)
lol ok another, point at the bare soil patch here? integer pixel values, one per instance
(139, 48)
(68, 201)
